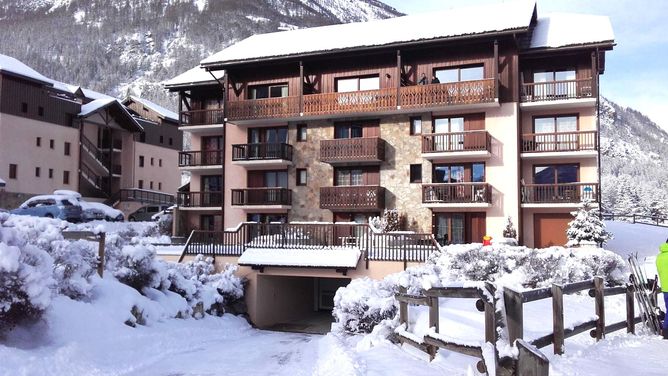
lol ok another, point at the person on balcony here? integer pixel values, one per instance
(435, 80)
(662, 268)
(423, 80)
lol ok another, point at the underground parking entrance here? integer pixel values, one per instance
(296, 304)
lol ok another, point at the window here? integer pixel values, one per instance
(37, 171)
(67, 148)
(171, 141)
(302, 176)
(554, 83)
(301, 132)
(349, 177)
(345, 85)
(449, 125)
(52, 144)
(13, 170)
(416, 126)
(556, 174)
(24, 107)
(66, 177)
(268, 91)
(160, 162)
(151, 161)
(459, 173)
(40, 111)
(50, 173)
(141, 161)
(159, 186)
(38, 141)
(150, 184)
(547, 133)
(276, 179)
(140, 184)
(456, 74)
(416, 173)
(161, 139)
(449, 142)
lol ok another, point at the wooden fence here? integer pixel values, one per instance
(638, 218)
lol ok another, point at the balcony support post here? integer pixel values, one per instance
(495, 67)
(226, 98)
(398, 78)
(301, 87)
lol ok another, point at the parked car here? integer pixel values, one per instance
(163, 213)
(51, 206)
(93, 211)
(146, 213)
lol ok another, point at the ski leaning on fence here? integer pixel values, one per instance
(646, 296)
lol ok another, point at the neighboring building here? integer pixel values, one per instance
(333, 124)
(59, 136)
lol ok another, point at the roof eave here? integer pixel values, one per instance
(138, 126)
(605, 45)
(31, 79)
(176, 87)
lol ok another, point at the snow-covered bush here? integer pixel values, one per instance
(25, 278)
(363, 304)
(74, 263)
(509, 231)
(137, 266)
(165, 224)
(388, 222)
(587, 227)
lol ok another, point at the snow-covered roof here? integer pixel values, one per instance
(11, 65)
(317, 258)
(422, 27)
(571, 29)
(161, 111)
(101, 103)
(196, 75)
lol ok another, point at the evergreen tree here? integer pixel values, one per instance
(587, 226)
(509, 231)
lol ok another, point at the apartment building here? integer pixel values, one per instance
(59, 136)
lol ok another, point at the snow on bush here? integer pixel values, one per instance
(138, 267)
(25, 278)
(363, 304)
(587, 227)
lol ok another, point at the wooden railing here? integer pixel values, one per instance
(353, 197)
(654, 220)
(250, 109)
(261, 151)
(556, 90)
(98, 155)
(367, 149)
(261, 196)
(350, 102)
(200, 158)
(202, 117)
(199, 199)
(456, 141)
(448, 94)
(447, 193)
(559, 141)
(559, 193)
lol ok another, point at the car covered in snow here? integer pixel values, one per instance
(163, 214)
(146, 213)
(93, 211)
(51, 206)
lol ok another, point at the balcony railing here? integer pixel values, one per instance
(559, 193)
(261, 196)
(366, 149)
(202, 117)
(263, 108)
(352, 198)
(559, 141)
(262, 151)
(448, 94)
(200, 199)
(456, 141)
(350, 102)
(556, 90)
(457, 193)
(200, 158)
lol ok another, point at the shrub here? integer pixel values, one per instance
(363, 304)
(137, 267)
(74, 265)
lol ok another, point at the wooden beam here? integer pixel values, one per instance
(398, 79)
(600, 308)
(496, 69)
(577, 286)
(537, 294)
(412, 299)
(456, 347)
(514, 314)
(531, 361)
(558, 318)
(301, 87)
(630, 310)
(453, 292)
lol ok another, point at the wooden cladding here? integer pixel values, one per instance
(559, 193)
(460, 193)
(448, 94)
(200, 158)
(202, 117)
(200, 199)
(261, 151)
(559, 141)
(557, 90)
(350, 102)
(456, 141)
(266, 108)
(361, 149)
(261, 196)
(353, 198)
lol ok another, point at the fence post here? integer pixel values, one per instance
(403, 250)
(403, 309)
(531, 361)
(558, 318)
(630, 310)
(512, 301)
(491, 335)
(634, 218)
(433, 322)
(100, 253)
(600, 309)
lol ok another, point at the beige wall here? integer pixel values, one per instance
(18, 146)
(169, 174)
(586, 117)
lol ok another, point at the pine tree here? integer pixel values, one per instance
(586, 227)
(509, 231)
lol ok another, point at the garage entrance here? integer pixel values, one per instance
(296, 304)
(550, 229)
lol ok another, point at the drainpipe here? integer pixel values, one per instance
(595, 58)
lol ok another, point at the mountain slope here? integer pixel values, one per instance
(130, 46)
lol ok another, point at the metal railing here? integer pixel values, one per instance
(199, 199)
(140, 195)
(462, 193)
(559, 141)
(559, 193)
(556, 90)
(262, 151)
(456, 141)
(200, 158)
(261, 196)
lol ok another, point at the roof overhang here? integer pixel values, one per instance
(118, 111)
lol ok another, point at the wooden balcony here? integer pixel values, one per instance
(262, 197)
(448, 94)
(198, 158)
(207, 199)
(559, 143)
(351, 102)
(202, 117)
(558, 90)
(456, 144)
(267, 108)
(353, 198)
(566, 193)
(464, 194)
(352, 150)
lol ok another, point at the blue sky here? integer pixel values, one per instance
(636, 72)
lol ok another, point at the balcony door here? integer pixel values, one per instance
(459, 228)
(211, 187)
(212, 150)
(555, 83)
(265, 143)
(357, 129)
(547, 133)
(451, 134)
(355, 176)
(555, 180)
